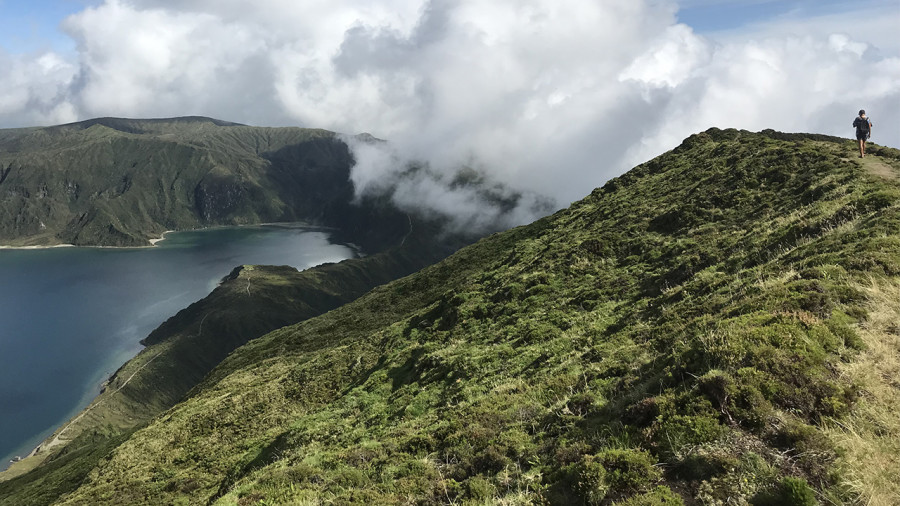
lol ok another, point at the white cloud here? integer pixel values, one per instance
(546, 97)
(157, 62)
(795, 84)
(670, 60)
(34, 89)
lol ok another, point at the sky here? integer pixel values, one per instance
(545, 98)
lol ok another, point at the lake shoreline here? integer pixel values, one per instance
(3, 247)
(155, 242)
(199, 261)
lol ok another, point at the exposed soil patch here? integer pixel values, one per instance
(880, 169)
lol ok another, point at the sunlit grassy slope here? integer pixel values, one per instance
(685, 334)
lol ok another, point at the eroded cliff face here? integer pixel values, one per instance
(114, 182)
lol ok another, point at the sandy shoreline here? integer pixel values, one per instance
(161, 238)
(38, 247)
(152, 242)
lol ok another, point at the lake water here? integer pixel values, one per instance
(69, 317)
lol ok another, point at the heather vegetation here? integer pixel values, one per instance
(687, 334)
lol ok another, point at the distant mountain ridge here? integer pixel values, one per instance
(145, 126)
(122, 182)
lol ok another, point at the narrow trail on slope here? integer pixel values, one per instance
(870, 435)
(875, 166)
(56, 441)
(408, 232)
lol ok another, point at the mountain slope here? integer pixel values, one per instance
(681, 335)
(250, 302)
(121, 182)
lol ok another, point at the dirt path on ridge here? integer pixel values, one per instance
(875, 166)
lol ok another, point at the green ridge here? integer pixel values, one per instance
(121, 182)
(674, 338)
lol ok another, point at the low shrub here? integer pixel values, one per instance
(789, 492)
(660, 496)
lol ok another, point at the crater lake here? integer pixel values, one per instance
(69, 317)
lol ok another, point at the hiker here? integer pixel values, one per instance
(863, 131)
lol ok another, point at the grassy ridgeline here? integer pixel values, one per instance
(684, 333)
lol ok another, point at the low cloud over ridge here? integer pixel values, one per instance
(548, 98)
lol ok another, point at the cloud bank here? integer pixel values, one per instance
(547, 98)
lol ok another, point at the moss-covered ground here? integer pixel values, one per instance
(688, 334)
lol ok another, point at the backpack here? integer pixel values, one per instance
(862, 125)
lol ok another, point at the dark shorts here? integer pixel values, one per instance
(862, 136)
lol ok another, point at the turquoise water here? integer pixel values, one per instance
(69, 317)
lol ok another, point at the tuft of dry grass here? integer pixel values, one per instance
(870, 435)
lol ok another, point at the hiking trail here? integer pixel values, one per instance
(875, 166)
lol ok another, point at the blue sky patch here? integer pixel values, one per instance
(706, 16)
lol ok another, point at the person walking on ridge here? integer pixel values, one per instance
(863, 131)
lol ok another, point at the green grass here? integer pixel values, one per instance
(676, 337)
(62, 473)
(868, 438)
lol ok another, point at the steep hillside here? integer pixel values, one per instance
(697, 331)
(250, 302)
(120, 182)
